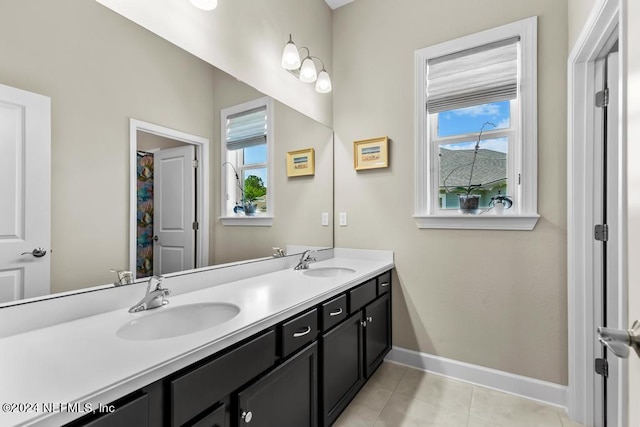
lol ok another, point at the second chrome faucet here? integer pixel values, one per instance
(154, 296)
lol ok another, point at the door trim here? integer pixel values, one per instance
(202, 191)
(602, 26)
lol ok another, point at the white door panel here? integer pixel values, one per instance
(25, 182)
(174, 210)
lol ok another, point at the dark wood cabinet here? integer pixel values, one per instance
(353, 350)
(342, 372)
(302, 372)
(285, 397)
(377, 342)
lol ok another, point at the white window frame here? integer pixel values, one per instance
(522, 157)
(228, 181)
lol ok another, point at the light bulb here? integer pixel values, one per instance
(205, 4)
(308, 73)
(323, 84)
(290, 56)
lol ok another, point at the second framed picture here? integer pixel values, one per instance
(301, 162)
(371, 153)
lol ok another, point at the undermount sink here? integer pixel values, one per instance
(328, 271)
(169, 322)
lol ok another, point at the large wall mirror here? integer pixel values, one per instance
(101, 70)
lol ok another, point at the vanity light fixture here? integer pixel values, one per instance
(305, 70)
(205, 4)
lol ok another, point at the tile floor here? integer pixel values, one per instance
(398, 396)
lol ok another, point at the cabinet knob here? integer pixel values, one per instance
(247, 417)
(370, 319)
(364, 323)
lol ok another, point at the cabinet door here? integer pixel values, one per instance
(377, 342)
(285, 397)
(341, 367)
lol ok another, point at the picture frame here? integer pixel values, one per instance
(301, 162)
(371, 153)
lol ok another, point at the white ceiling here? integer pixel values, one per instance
(334, 4)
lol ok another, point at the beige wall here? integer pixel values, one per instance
(492, 298)
(245, 38)
(579, 11)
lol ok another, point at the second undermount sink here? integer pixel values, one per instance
(169, 322)
(328, 271)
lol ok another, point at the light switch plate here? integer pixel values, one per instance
(343, 219)
(325, 218)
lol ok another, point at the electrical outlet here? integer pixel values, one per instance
(325, 218)
(343, 219)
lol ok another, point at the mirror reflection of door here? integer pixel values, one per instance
(166, 205)
(25, 211)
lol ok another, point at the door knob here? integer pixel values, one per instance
(37, 252)
(155, 238)
(618, 341)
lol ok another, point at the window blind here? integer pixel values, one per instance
(247, 128)
(475, 76)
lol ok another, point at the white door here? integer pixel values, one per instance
(174, 210)
(633, 191)
(25, 200)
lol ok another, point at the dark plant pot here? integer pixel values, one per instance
(469, 204)
(249, 209)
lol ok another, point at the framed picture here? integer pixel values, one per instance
(371, 153)
(301, 162)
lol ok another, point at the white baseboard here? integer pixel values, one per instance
(542, 391)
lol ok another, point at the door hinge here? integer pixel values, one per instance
(196, 225)
(602, 367)
(602, 98)
(194, 163)
(602, 232)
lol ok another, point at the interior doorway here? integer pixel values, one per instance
(169, 201)
(596, 223)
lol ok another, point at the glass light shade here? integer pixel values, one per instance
(308, 73)
(290, 57)
(205, 4)
(323, 84)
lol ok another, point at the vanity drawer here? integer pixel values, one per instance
(334, 312)
(384, 283)
(200, 388)
(214, 418)
(298, 332)
(362, 295)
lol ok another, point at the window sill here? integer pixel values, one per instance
(478, 222)
(247, 221)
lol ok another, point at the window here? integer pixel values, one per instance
(477, 128)
(246, 172)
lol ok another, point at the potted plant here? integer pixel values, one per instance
(469, 203)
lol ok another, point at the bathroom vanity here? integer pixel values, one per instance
(298, 350)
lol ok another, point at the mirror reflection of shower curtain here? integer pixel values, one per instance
(144, 240)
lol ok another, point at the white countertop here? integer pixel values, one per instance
(84, 361)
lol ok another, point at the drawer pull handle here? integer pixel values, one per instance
(384, 285)
(338, 312)
(301, 334)
(247, 417)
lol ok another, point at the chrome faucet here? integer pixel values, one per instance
(153, 298)
(305, 259)
(125, 277)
